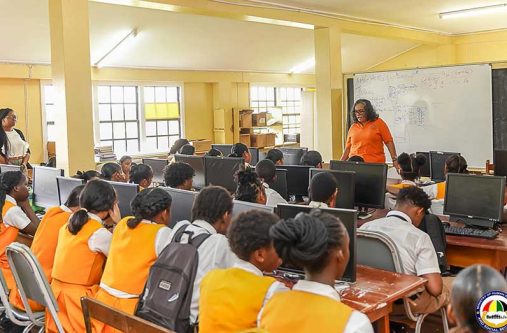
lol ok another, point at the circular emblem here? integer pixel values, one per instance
(491, 311)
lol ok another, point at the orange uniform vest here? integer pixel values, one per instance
(74, 262)
(8, 235)
(131, 255)
(301, 312)
(231, 299)
(440, 190)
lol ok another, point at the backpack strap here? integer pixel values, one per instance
(199, 239)
(180, 232)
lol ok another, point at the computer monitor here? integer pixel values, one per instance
(349, 220)
(221, 171)
(280, 184)
(243, 206)
(425, 170)
(45, 187)
(126, 193)
(254, 156)
(9, 167)
(500, 161)
(437, 164)
(370, 180)
(224, 149)
(292, 156)
(475, 200)
(65, 186)
(197, 163)
(158, 166)
(181, 206)
(346, 186)
(297, 179)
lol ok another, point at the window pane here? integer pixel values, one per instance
(130, 112)
(50, 112)
(106, 131)
(106, 143)
(172, 140)
(162, 127)
(282, 94)
(160, 95)
(117, 111)
(172, 94)
(151, 128)
(290, 94)
(51, 132)
(117, 94)
(104, 112)
(297, 94)
(132, 146)
(163, 143)
(120, 147)
(253, 93)
(174, 127)
(130, 94)
(151, 144)
(262, 93)
(104, 94)
(119, 130)
(149, 94)
(132, 130)
(271, 94)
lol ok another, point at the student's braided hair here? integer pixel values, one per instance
(8, 181)
(249, 186)
(305, 240)
(147, 204)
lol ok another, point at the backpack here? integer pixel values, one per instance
(432, 225)
(167, 295)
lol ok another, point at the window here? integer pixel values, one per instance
(48, 103)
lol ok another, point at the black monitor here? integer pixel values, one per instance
(349, 220)
(181, 206)
(297, 179)
(224, 149)
(370, 182)
(437, 164)
(254, 156)
(9, 167)
(500, 162)
(65, 186)
(280, 184)
(292, 156)
(425, 170)
(126, 193)
(243, 206)
(221, 171)
(197, 163)
(346, 186)
(475, 200)
(45, 187)
(158, 166)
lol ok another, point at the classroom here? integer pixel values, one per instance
(219, 165)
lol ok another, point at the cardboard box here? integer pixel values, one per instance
(245, 139)
(201, 145)
(259, 119)
(263, 140)
(245, 118)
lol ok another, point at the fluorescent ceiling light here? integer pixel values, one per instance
(474, 11)
(304, 66)
(115, 50)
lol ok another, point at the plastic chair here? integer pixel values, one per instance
(32, 284)
(377, 250)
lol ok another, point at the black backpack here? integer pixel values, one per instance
(432, 225)
(167, 295)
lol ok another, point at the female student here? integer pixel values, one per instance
(179, 175)
(112, 171)
(250, 188)
(231, 298)
(17, 214)
(240, 150)
(137, 242)
(453, 164)
(126, 165)
(318, 243)
(87, 175)
(142, 175)
(410, 166)
(83, 245)
(275, 155)
(266, 170)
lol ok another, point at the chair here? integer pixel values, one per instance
(489, 167)
(32, 284)
(377, 250)
(93, 309)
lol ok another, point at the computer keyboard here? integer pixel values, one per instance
(470, 232)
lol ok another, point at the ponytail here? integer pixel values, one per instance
(77, 221)
(8, 181)
(147, 204)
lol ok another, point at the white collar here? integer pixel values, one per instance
(400, 214)
(95, 217)
(409, 182)
(65, 209)
(249, 267)
(266, 185)
(317, 288)
(10, 199)
(147, 222)
(318, 204)
(205, 225)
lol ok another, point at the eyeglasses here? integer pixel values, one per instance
(359, 111)
(12, 117)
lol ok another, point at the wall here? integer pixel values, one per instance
(198, 105)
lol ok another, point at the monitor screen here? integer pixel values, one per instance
(45, 188)
(254, 156)
(500, 161)
(370, 182)
(297, 179)
(158, 166)
(475, 197)
(242, 206)
(65, 186)
(292, 156)
(9, 167)
(346, 186)
(280, 184)
(126, 193)
(437, 164)
(197, 163)
(425, 170)
(349, 220)
(220, 171)
(181, 206)
(224, 149)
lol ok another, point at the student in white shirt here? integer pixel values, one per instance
(418, 256)
(249, 187)
(179, 175)
(312, 158)
(275, 156)
(211, 214)
(323, 190)
(266, 170)
(240, 150)
(15, 147)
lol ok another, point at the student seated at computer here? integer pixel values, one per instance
(319, 243)
(179, 175)
(112, 171)
(214, 153)
(187, 149)
(240, 150)
(126, 165)
(312, 158)
(142, 175)
(275, 155)
(86, 176)
(323, 190)
(417, 254)
(266, 170)
(468, 288)
(232, 298)
(410, 166)
(453, 164)
(137, 242)
(250, 188)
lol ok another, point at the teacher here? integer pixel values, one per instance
(13, 143)
(368, 134)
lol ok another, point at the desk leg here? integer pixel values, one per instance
(382, 324)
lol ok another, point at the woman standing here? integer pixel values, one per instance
(368, 134)
(15, 148)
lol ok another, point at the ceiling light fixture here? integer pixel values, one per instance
(304, 66)
(473, 11)
(114, 50)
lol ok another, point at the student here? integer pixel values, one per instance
(211, 213)
(232, 298)
(275, 155)
(250, 188)
(453, 164)
(323, 190)
(312, 158)
(469, 286)
(175, 148)
(214, 153)
(112, 171)
(142, 175)
(187, 149)
(356, 158)
(240, 150)
(410, 166)
(418, 256)
(266, 170)
(179, 175)
(136, 244)
(87, 175)
(17, 215)
(318, 243)
(126, 165)
(83, 245)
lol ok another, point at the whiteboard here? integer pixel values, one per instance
(443, 109)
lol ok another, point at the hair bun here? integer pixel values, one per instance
(420, 159)
(404, 159)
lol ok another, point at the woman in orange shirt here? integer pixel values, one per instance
(367, 135)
